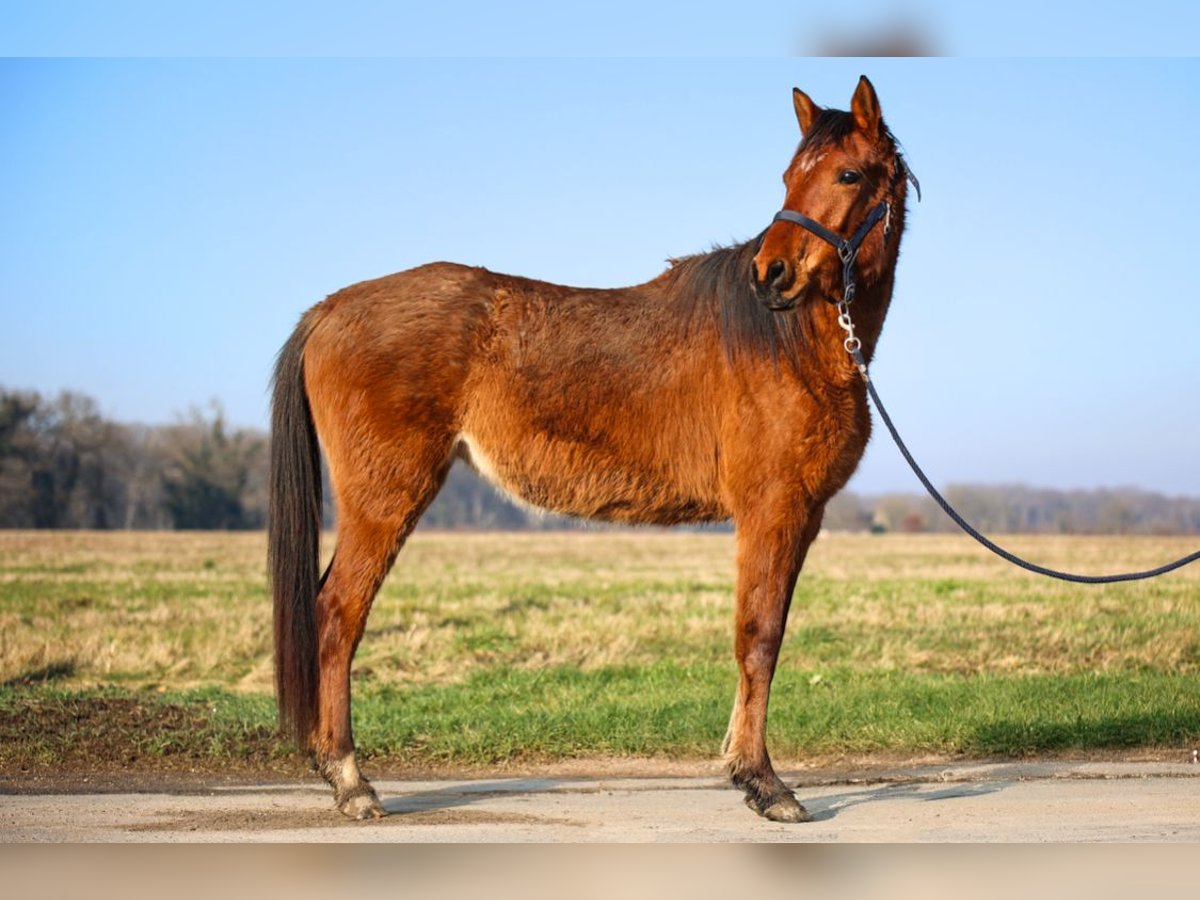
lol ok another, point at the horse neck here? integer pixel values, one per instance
(713, 290)
(828, 354)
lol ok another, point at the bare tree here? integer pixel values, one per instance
(209, 471)
(59, 462)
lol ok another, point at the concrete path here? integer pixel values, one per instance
(965, 803)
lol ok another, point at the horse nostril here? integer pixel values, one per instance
(775, 273)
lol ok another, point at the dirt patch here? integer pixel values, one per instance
(131, 743)
(290, 820)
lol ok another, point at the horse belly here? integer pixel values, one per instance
(588, 482)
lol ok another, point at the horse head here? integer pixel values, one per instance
(846, 176)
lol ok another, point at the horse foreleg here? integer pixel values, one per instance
(769, 561)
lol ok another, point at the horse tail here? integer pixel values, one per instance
(293, 539)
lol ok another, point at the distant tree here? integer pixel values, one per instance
(64, 465)
(846, 512)
(85, 464)
(18, 454)
(467, 501)
(209, 472)
(146, 459)
(59, 462)
(897, 512)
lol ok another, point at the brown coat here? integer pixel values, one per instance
(695, 397)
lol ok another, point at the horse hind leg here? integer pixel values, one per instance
(368, 541)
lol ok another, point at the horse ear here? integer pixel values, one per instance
(806, 110)
(865, 107)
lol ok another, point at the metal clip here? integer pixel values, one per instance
(852, 344)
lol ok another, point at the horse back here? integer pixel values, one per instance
(602, 404)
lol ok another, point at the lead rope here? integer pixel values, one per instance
(854, 347)
(847, 251)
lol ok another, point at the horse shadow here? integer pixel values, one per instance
(464, 794)
(822, 809)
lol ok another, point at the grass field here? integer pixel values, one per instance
(485, 649)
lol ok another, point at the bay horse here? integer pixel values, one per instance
(718, 390)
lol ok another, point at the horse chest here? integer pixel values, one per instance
(812, 444)
(838, 440)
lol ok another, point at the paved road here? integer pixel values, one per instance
(966, 803)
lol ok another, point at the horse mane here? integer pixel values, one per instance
(716, 287)
(717, 284)
(832, 127)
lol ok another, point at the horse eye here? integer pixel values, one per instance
(849, 176)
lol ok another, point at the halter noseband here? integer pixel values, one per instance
(847, 248)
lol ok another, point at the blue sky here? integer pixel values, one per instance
(517, 28)
(166, 221)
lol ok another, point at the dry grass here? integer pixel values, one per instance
(184, 610)
(92, 608)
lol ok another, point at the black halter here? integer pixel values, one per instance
(847, 248)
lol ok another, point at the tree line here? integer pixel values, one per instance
(63, 464)
(1019, 509)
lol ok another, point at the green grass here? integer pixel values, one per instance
(496, 649)
(666, 709)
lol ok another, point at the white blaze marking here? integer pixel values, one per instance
(808, 163)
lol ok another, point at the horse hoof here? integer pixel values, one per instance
(786, 809)
(782, 809)
(362, 806)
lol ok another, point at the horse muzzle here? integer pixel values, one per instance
(775, 286)
(783, 286)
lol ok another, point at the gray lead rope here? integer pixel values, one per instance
(967, 527)
(847, 249)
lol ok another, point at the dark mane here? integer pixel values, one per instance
(716, 287)
(832, 127)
